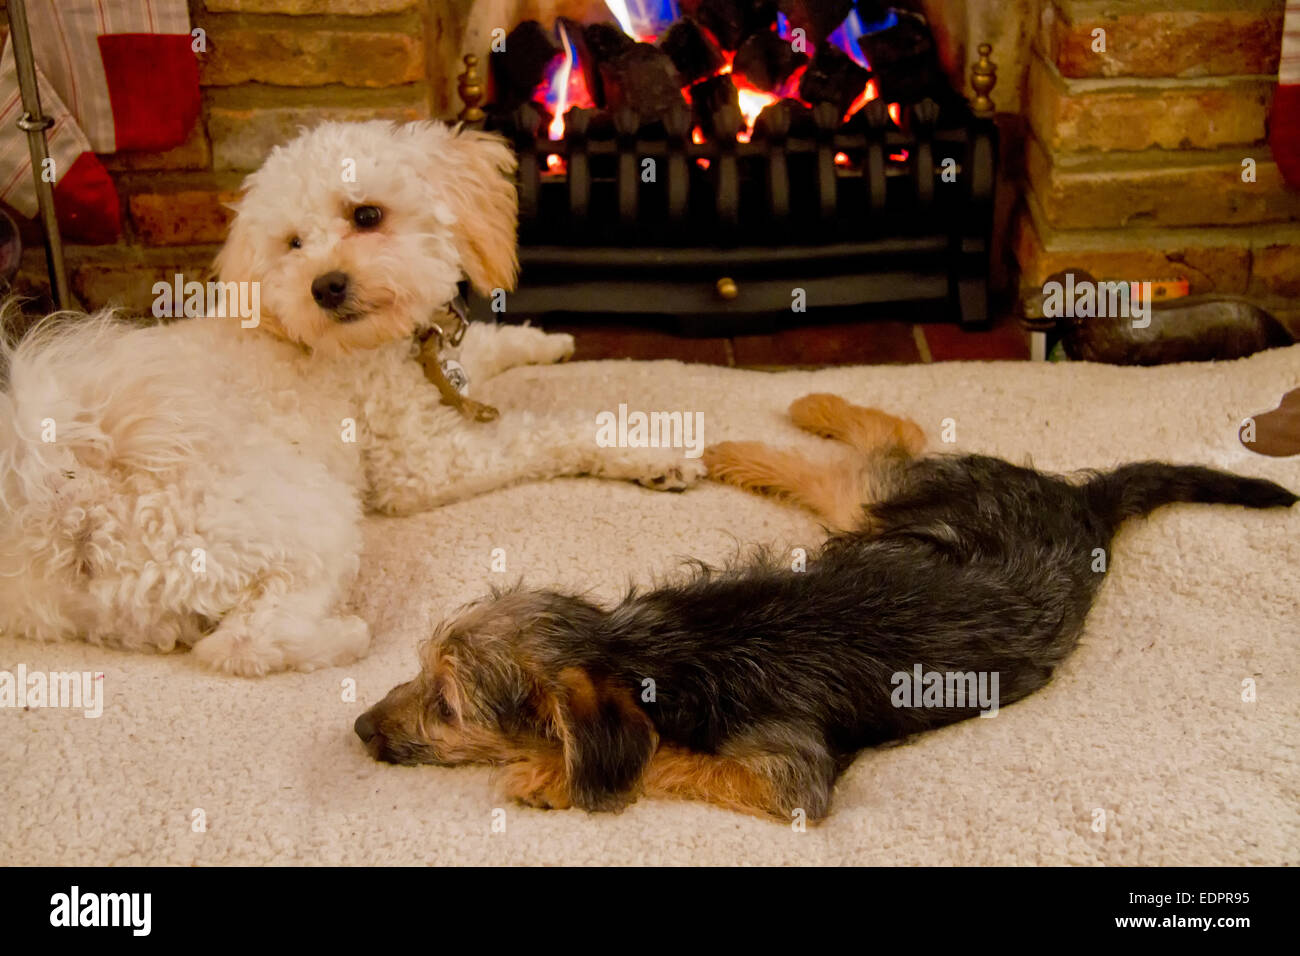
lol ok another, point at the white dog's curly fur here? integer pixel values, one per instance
(193, 483)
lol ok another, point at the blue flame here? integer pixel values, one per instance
(644, 19)
(848, 33)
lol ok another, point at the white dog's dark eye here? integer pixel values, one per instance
(295, 243)
(367, 217)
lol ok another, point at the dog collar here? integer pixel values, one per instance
(456, 322)
(448, 375)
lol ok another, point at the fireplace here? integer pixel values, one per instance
(724, 162)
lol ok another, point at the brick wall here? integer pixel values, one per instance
(1134, 158)
(270, 67)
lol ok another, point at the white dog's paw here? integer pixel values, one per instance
(236, 648)
(563, 345)
(529, 345)
(491, 350)
(672, 473)
(339, 641)
(231, 649)
(546, 347)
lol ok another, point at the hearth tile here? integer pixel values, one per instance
(595, 342)
(948, 342)
(852, 343)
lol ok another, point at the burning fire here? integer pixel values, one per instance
(846, 37)
(869, 93)
(565, 85)
(752, 101)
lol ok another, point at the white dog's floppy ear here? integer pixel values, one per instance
(235, 260)
(475, 175)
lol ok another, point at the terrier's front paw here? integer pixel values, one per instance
(538, 783)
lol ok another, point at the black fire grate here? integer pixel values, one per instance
(693, 209)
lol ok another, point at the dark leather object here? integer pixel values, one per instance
(1192, 329)
(1277, 433)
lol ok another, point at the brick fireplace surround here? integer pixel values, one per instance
(1126, 164)
(1134, 159)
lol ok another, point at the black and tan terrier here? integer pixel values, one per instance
(766, 681)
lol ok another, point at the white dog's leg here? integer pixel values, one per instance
(478, 458)
(489, 349)
(284, 630)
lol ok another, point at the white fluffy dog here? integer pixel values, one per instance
(201, 483)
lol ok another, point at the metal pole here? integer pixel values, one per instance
(34, 123)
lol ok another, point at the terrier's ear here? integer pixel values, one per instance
(608, 740)
(474, 172)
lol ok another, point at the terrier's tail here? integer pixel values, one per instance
(1133, 490)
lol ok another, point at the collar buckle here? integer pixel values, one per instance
(458, 311)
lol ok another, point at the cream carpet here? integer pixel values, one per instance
(1146, 722)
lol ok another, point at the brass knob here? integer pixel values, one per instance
(471, 90)
(727, 288)
(983, 77)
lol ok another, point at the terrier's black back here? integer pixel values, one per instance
(970, 564)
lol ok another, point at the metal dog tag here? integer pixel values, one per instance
(456, 375)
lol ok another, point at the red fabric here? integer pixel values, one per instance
(86, 204)
(153, 84)
(1284, 132)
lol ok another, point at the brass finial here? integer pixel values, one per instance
(983, 76)
(470, 87)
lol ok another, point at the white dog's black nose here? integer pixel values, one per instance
(329, 290)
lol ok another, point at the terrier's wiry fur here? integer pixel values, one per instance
(201, 483)
(767, 680)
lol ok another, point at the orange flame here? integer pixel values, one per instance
(869, 93)
(752, 100)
